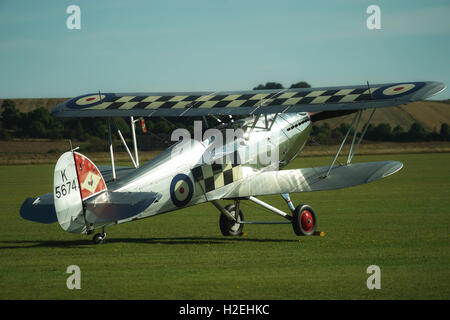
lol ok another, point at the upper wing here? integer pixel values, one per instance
(246, 102)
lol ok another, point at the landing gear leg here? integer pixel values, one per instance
(287, 198)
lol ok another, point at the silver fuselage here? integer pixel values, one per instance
(268, 144)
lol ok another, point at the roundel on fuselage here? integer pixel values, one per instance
(181, 190)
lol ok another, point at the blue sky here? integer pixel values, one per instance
(196, 45)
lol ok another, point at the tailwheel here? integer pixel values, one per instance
(304, 220)
(228, 227)
(99, 238)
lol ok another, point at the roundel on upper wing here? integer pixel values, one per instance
(88, 100)
(397, 90)
(181, 190)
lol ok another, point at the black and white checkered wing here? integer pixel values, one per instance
(187, 104)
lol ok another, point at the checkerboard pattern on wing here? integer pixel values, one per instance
(281, 98)
(214, 176)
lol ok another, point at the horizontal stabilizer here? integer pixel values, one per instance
(313, 179)
(113, 206)
(191, 104)
(40, 209)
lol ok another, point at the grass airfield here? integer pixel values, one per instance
(400, 223)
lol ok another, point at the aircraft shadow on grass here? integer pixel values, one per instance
(28, 244)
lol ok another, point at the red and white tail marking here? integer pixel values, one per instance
(90, 179)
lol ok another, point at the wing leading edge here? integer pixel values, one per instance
(246, 102)
(312, 179)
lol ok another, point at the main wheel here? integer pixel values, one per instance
(304, 220)
(228, 227)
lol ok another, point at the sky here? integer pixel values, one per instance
(202, 45)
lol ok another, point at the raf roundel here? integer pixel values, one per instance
(397, 90)
(181, 190)
(89, 100)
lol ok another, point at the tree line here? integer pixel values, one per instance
(324, 134)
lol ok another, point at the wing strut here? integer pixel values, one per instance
(133, 132)
(358, 115)
(135, 164)
(352, 152)
(353, 147)
(135, 160)
(111, 151)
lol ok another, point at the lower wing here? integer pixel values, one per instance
(313, 179)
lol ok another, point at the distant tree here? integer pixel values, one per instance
(269, 85)
(323, 134)
(417, 132)
(444, 133)
(398, 134)
(325, 127)
(97, 144)
(11, 117)
(150, 125)
(4, 135)
(39, 123)
(41, 114)
(315, 130)
(381, 132)
(162, 126)
(123, 125)
(343, 128)
(335, 136)
(301, 84)
(74, 129)
(36, 129)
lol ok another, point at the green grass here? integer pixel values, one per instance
(400, 224)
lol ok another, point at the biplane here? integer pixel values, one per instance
(276, 126)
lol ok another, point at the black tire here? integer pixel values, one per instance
(230, 228)
(99, 238)
(304, 220)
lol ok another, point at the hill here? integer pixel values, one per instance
(431, 113)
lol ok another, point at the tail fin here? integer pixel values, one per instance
(89, 177)
(76, 178)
